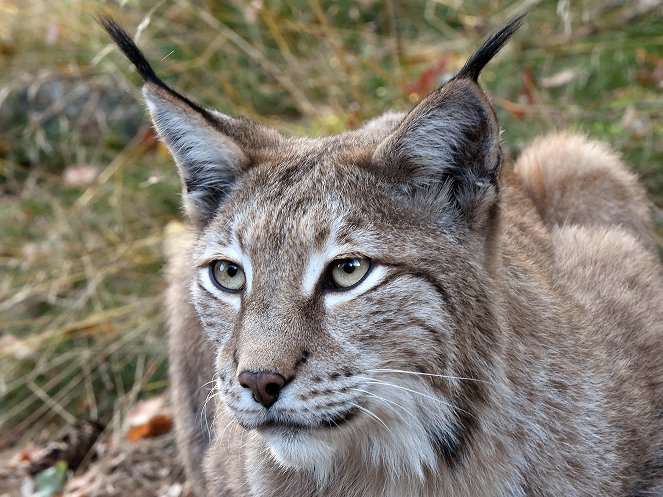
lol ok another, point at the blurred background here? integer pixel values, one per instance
(88, 198)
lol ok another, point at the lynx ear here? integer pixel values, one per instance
(209, 160)
(447, 148)
(210, 149)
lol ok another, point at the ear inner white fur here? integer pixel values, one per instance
(209, 161)
(447, 150)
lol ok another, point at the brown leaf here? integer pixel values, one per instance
(155, 427)
(7, 49)
(430, 78)
(529, 87)
(144, 410)
(650, 68)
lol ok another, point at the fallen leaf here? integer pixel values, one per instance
(430, 78)
(144, 410)
(650, 68)
(559, 79)
(7, 49)
(78, 175)
(50, 482)
(155, 427)
(529, 88)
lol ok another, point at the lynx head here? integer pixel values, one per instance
(345, 281)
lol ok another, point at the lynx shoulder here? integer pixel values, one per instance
(392, 312)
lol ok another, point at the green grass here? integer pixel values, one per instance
(82, 331)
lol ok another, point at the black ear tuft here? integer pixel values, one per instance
(129, 48)
(138, 59)
(489, 49)
(202, 142)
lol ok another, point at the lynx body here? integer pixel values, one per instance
(390, 312)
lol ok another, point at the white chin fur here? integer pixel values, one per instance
(401, 445)
(300, 450)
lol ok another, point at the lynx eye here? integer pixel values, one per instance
(346, 273)
(227, 275)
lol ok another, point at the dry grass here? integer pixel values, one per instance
(80, 282)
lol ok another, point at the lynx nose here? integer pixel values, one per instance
(265, 385)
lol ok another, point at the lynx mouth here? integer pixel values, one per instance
(333, 422)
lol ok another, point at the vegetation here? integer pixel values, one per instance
(88, 197)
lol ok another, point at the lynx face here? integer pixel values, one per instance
(343, 280)
(356, 316)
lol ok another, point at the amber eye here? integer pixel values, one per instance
(227, 276)
(346, 273)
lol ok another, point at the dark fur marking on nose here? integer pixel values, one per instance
(302, 359)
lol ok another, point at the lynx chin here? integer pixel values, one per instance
(392, 312)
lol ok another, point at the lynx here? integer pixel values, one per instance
(392, 312)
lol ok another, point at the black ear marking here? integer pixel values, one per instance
(129, 48)
(135, 55)
(490, 48)
(204, 143)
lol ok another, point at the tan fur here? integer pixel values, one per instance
(576, 189)
(574, 404)
(506, 341)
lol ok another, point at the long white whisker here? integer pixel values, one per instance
(384, 400)
(213, 380)
(210, 395)
(447, 377)
(213, 392)
(374, 381)
(371, 414)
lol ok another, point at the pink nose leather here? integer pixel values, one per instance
(265, 385)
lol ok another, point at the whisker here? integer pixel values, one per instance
(210, 395)
(385, 400)
(374, 381)
(213, 380)
(446, 377)
(371, 414)
(213, 392)
(266, 453)
(224, 433)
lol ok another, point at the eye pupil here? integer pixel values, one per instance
(232, 270)
(350, 266)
